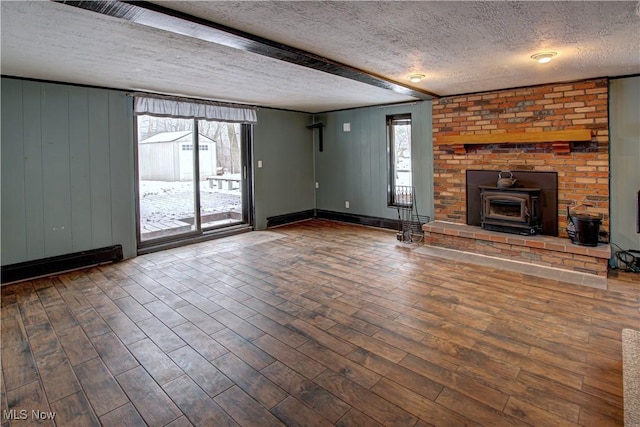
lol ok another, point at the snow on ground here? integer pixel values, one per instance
(161, 201)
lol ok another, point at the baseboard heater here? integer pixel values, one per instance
(274, 221)
(371, 221)
(58, 264)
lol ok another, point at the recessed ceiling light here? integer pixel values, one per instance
(415, 78)
(543, 57)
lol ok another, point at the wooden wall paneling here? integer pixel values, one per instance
(337, 177)
(344, 169)
(335, 157)
(357, 151)
(80, 170)
(297, 178)
(422, 156)
(67, 170)
(33, 170)
(379, 178)
(320, 173)
(624, 104)
(123, 227)
(345, 172)
(100, 164)
(360, 160)
(356, 156)
(331, 165)
(377, 137)
(353, 165)
(285, 146)
(55, 174)
(14, 224)
(368, 148)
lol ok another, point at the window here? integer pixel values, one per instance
(399, 185)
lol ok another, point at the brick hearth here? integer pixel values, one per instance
(540, 250)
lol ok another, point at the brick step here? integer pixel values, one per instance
(547, 251)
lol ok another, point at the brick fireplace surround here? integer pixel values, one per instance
(522, 129)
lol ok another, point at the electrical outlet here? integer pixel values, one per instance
(317, 185)
(346, 204)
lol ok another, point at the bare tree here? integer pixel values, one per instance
(149, 126)
(234, 148)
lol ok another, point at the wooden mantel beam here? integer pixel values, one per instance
(571, 135)
(560, 139)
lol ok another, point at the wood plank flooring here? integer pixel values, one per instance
(312, 324)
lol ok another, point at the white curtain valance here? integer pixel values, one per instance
(185, 108)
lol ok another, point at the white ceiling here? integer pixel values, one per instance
(461, 47)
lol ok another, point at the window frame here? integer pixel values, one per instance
(391, 121)
(199, 232)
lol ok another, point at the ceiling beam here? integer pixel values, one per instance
(162, 18)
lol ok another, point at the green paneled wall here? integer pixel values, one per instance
(284, 183)
(67, 170)
(624, 127)
(353, 165)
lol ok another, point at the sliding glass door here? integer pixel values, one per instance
(221, 174)
(192, 177)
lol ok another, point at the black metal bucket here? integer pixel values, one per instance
(583, 229)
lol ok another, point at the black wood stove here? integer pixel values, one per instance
(511, 210)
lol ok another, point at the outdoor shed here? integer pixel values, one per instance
(168, 156)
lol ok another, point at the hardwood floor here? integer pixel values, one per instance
(312, 324)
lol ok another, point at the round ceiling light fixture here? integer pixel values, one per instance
(544, 57)
(416, 78)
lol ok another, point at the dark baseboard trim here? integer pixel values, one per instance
(370, 221)
(58, 264)
(274, 221)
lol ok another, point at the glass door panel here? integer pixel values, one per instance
(166, 177)
(220, 164)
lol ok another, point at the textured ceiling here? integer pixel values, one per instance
(461, 47)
